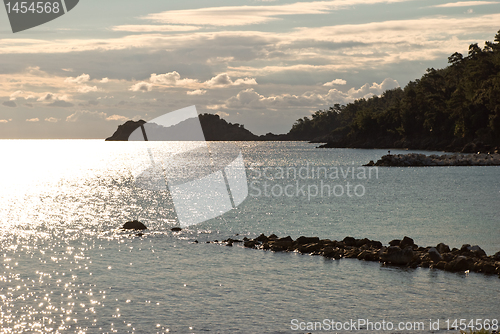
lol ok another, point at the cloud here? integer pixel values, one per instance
(45, 98)
(250, 99)
(33, 120)
(171, 79)
(80, 79)
(224, 80)
(117, 118)
(11, 104)
(465, 4)
(51, 119)
(4, 121)
(335, 82)
(197, 92)
(367, 90)
(16, 94)
(222, 114)
(104, 80)
(247, 15)
(61, 103)
(142, 87)
(86, 115)
(86, 89)
(152, 28)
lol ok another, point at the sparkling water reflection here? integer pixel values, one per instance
(68, 268)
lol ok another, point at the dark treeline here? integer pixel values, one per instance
(456, 108)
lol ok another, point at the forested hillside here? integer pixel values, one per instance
(456, 108)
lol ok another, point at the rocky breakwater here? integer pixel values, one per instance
(420, 160)
(402, 252)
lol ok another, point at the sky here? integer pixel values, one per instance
(260, 63)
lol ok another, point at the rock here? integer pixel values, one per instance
(281, 244)
(442, 248)
(496, 257)
(395, 242)
(250, 244)
(134, 225)
(176, 229)
(333, 253)
(406, 242)
(273, 237)
(368, 255)
(439, 265)
(375, 244)
(461, 263)
(477, 251)
(306, 240)
(434, 255)
(309, 248)
(362, 242)
(261, 238)
(485, 267)
(349, 241)
(352, 253)
(396, 255)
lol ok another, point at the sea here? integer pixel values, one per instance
(67, 267)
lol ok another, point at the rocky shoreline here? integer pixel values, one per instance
(422, 160)
(402, 252)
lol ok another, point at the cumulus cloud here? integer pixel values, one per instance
(171, 79)
(335, 82)
(60, 103)
(46, 97)
(222, 114)
(367, 90)
(196, 92)
(16, 94)
(4, 121)
(51, 119)
(86, 115)
(11, 104)
(80, 79)
(117, 118)
(251, 99)
(33, 120)
(86, 89)
(104, 80)
(224, 80)
(142, 87)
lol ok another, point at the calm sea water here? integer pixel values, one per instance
(67, 268)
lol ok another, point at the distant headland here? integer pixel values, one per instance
(214, 128)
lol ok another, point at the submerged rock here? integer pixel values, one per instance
(176, 229)
(134, 225)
